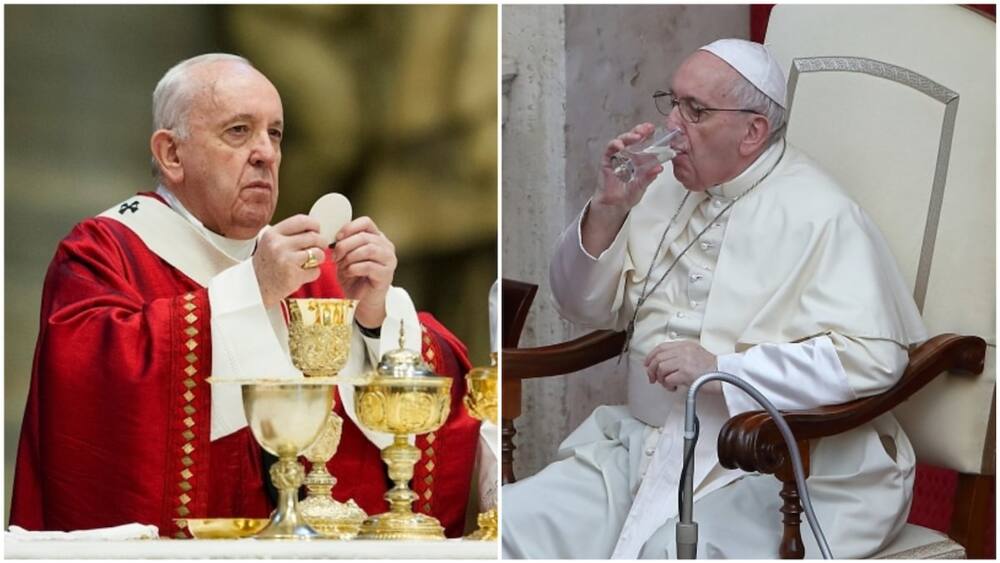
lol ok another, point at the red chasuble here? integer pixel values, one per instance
(116, 428)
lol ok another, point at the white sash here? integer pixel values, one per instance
(171, 237)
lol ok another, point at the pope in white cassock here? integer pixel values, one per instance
(748, 260)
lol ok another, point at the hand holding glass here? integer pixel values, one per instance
(637, 158)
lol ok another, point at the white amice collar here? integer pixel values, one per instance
(735, 187)
(234, 248)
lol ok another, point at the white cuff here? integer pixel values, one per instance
(617, 245)
(792, 376)
(372, 347)
(587, 290)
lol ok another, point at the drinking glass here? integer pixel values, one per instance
(637, 158)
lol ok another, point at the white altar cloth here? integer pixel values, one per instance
(248, 549)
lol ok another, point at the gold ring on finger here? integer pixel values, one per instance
(311, 261)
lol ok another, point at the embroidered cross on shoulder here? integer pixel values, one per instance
(133, 207)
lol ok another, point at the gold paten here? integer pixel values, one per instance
(319, 334)
(481, 402)
(222, 528)
(402, 397)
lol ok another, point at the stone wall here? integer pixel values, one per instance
(534, 192)
(584, 75)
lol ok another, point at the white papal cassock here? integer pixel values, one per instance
(793, 260)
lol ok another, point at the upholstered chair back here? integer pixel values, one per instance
(898, 103)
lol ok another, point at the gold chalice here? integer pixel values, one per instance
(285, 417)
(402, 397)
(481, 402)
(319, 336)
(481, 394)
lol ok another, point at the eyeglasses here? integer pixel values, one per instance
(690, 110)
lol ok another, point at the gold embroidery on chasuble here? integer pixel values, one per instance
(423, 478)
(189, 400)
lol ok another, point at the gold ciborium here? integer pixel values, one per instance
(402, 397)
(285, 417)
(481, 402)
(319, 339)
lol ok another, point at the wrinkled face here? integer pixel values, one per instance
(231, 156)
(709, 152)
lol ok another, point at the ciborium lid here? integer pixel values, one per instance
(403, 363)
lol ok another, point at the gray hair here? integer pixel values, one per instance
(174, 93)
(747, 96)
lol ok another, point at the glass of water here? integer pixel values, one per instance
(641, 156)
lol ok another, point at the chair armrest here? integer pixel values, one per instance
(518, 364)
(563, 358)
(751, 441)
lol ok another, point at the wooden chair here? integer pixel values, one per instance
(515, 301)
(519, 364)
(751, 441)
(841, 62)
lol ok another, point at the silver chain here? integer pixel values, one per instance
(644, 294)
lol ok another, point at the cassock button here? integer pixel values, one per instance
(650, 451)
(694, 304)
(705, 245)
(695, 278)
(673, 335)
(717, 203)
(680, 315)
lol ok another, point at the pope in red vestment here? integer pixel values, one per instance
(118, 423)
(103, 440)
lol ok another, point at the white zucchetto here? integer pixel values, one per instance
(755, 63)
